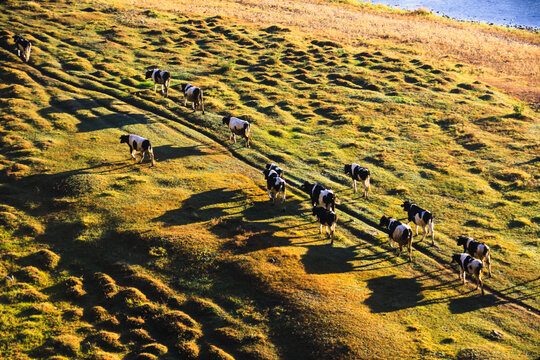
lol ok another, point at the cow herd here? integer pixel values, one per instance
(323, 201)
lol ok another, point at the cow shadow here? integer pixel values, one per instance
(391, 293)
(88, 123)
(170, 152)
(255, 227)
(325, 259)
(465, 304)
(200, 207)
(111, 121)
(64, 184)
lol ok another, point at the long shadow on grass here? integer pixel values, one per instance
(93, 123)
(203, 206)
(257, 226)
(111, 121)
(169, 152)
(71, 183)
(325, 259)
(464, 304)
(391, 293)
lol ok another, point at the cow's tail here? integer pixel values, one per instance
(201, 100)
(332, 201)
(247, 132)
(431, 228)
(478, 274)
(479, 269)
(409, 235)
(166, 82)
(27, 52)
(367, 183)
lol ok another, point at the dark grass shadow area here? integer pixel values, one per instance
(171, 152)
(111, 121)
(390, 293)
(264, 210)
(254, 228)
(465, 304)
(71, 183)
(325, 259)
(201, 207)
(93, 123)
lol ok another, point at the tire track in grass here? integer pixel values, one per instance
(192, 121)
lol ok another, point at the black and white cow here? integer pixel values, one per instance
(275, 168)
(23, 47)
(320, 196)
(358, 173)
(328, 219)
(139, 145)
(468, 265)
(275, 185)
(160, 77)
(238, 127)
(420, 217)
(399, 233)
(476, 249)
(194, 95)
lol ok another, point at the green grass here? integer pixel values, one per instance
(193, 254)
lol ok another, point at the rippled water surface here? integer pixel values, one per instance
(501, 12)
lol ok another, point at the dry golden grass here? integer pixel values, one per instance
(506, 56)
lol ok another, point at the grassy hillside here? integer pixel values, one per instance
(188, 259)
(499, 56)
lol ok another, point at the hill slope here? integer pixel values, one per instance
(189, 255)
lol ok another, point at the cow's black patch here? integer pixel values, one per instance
(361, 173)
(145, 145)
(466, 262)
(427, 217)
(324, 216)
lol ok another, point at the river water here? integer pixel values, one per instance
(514, 13)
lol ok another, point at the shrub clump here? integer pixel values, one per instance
(140, 336)
(32, 275)
(73, 314)
(154, 348)
(130, 297)
(215, 353)
(228, 335)
(43, 259)
(146, 310)
(134, 322)
(67, 345)
(188, 350)
(106, 340)
(96, 314)
(102, 356)
(176, 330)
(23, 295)
(78, 184)
(9, 220)
(154, 288)
(73, 288)
(105, 284)
(145, 356)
